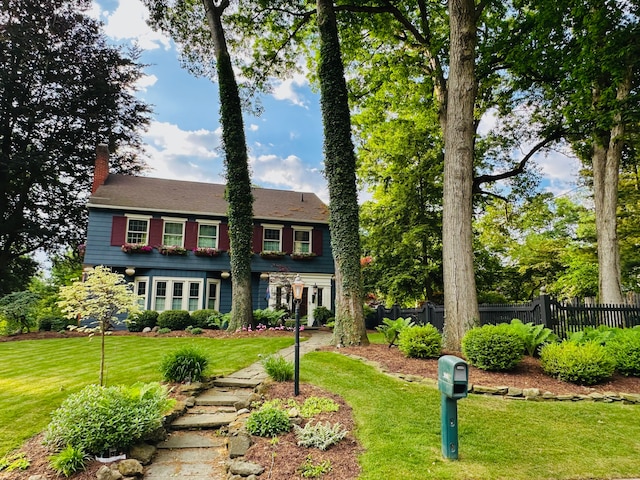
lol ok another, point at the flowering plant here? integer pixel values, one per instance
(136, 248)
(172, 250)
(302, 255)
(272, 254)
(206, 252)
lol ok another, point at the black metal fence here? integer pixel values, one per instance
(561, 317)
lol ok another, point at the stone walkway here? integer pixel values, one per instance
(197, 448)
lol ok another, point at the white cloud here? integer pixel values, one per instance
(145, 82)
(285, 90)
(128, 22)
(183, 155)
(289, 173)
(253, 127)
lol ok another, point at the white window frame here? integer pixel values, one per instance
(210, 223)
(206, 299)
(168, 304)
(145, 218)
(167, 220)
(145, 297)
(297, 228)
(267, 226)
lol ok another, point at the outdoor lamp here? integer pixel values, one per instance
(298, 288)
(225, 275)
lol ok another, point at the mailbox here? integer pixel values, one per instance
(453, 376)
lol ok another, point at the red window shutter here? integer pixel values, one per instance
(316, 241)
(191, 235)
(287, 239)
(155, 231)
(223, 237)
(118, 231)
(257, 239)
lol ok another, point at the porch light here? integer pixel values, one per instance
(225, 275)
(264, 276)
(130, 271)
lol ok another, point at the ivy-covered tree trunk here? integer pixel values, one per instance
(460, 298)
(340, 170)
(238, 191)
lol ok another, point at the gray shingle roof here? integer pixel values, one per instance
(125, 192)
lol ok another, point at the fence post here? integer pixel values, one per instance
(545, 311)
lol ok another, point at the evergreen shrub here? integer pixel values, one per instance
(585, 364)
(625, 349)
(97, 419)
(174, 319)
(186, 364)
(493, 347)
(200, 318)
(422, 341)
(142, 320)
(52, 323)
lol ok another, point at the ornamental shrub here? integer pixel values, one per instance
(142, 320)
(186, 364)
(533, 336)
(391, 328)
(268, 317)
(322, 315)
(174, 319)
(96, 419)
(217, 320)
(624, 347)
(268, 422)
(200, 318)
(584, 364)
(493, 347)
(52, 323)
(423, 341)
(278, 368)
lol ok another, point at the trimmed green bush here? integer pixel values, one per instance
(142, 320)
(321, 315)
(423, 341)
(585, 364)
(268, 422)
(278, 368)
(97, 419)
(51, 323)
(493, 347)
(174, 319)
(186, 364)
(625, 349)
(69, 461)
(200, 318)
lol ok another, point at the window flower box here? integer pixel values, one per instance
(136, 248)
(172, 250)
(272, 254)
(302, 255)
(206, 252)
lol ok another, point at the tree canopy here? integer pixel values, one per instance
(63, 90)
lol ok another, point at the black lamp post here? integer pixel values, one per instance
(298, 287)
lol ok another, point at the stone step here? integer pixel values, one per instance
(193, 439)
(236, 382)
(203, 421)
(188, 463)
(223, 397)
(197, 409)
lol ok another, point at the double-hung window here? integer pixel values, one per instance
(213, 301)
(302, 240)
(137, 229)
(207, 234)
(173, 233)
(272, 238)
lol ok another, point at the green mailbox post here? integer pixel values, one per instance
(453, 382)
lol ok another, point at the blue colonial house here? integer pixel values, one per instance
(170, 239)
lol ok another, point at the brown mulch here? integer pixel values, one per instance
(282, 458)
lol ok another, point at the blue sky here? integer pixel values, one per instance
(285, 142)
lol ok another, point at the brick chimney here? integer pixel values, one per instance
(101, 171)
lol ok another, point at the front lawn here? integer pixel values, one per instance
(398, 424)
(37, 375)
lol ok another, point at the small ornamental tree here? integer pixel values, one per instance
(103, 295)
(18, 308)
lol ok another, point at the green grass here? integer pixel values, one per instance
(37, 375)
(398, 424)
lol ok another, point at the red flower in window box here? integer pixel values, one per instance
(206, 252)
(136, 248)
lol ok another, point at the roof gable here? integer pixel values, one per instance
(127, 192)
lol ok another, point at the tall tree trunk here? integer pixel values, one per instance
(607, 152)
(238, 190)
(460, 298)
(340, 168)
